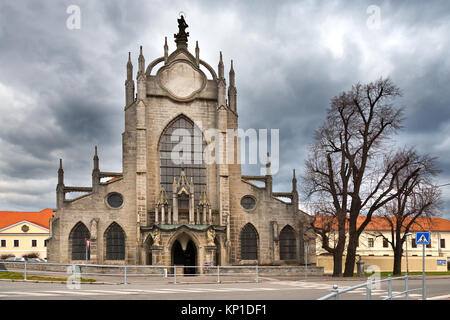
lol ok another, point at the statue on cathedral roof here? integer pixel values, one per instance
(181, 36)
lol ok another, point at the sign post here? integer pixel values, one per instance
(423, 238)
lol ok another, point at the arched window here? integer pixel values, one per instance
(288, 244)
(115, 242)
(249, 243)
(182, 135)
(77, 239)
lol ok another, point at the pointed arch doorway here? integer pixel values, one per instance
(184, 253)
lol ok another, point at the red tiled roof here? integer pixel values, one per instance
(381, 224)
(41, 218)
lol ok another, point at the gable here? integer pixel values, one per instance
(24, 227)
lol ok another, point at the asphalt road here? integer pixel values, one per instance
(268, 289)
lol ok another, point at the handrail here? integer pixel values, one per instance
(369, 283)
(127, 271)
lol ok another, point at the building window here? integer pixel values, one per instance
(443, 243)
(248, 203)
(34, 243)
(385, 243)
(16, 243)
(288, 244)
(429, 245)
(183, 201)
(370, 242)
(249, 243)
(183, 134)
(45, 243)
(413, 243)
(115, 200)
(77, 238)
(3, 243)
(115, 242)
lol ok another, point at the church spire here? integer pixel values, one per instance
(129, 68)
(166, 50)
(141, 63)
(221, 72)
(232, 89)
(60, 187)
(60, 173)
(181, 38)
(95, 172)
(294, 182)
(141, 87)
(96, 166)
(197, 53)
(129, 82)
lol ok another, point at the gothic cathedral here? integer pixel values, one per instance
(163, 211)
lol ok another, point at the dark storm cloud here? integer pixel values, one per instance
(61, 91)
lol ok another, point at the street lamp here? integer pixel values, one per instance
(408, 234)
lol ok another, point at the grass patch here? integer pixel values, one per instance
(19, 276)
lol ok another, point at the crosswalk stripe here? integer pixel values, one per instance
(180, 290)
(75, 292)
(113, 291)
(267, 289)
(155, 291)
(34, 294)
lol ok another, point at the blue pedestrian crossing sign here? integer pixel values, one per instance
(422, 237)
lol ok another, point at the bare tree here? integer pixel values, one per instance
(324, 225)
(418, 197)
(350, 162)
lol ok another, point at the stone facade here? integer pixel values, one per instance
(154, 222)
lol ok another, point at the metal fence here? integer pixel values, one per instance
(124, 274)
(369, 284)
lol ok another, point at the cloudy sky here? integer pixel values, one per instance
(62, 89)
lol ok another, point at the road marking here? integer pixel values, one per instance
(112, 291)
(180, 290)
(155, 291)
(439, 297)
(75, 292)
(266, 289)
(34, 294)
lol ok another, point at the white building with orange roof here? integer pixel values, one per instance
(24, 233)
(374, 246)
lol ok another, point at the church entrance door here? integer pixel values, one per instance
(186, 258)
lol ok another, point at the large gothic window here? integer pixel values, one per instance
(249, 243)
(288, 244)
(115, 242)
(182, 134)
(77, 239)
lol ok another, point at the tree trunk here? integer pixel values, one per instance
(337, 264)
(398, 261)
(340, 247)
(351, 256)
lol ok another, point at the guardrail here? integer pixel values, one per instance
(125, 274)
(369, 285)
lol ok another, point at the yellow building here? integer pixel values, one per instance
(23, 233)
(374, 247)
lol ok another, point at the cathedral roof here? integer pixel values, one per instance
(41, 218)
